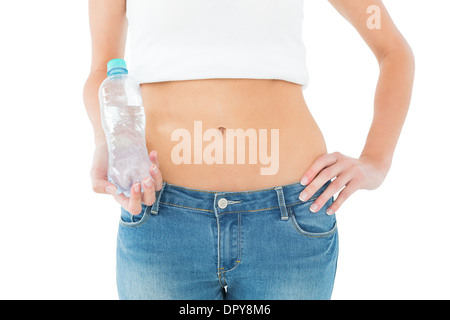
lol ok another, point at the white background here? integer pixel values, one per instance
(57, 237)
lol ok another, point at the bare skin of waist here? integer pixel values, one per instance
(230, 134)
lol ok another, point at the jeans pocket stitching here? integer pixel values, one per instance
(135, 223)
(306, 233)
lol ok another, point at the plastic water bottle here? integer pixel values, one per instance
(123, 120)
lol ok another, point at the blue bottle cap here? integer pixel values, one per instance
(116, 66)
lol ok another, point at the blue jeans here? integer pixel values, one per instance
(197, 244)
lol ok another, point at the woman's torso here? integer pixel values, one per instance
(200, 114)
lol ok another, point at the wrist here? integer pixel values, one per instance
(380, 162)
(99, 139)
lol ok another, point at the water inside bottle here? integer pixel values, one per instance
(128, 157)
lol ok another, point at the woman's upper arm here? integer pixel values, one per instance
(108, 25)
(385, 37)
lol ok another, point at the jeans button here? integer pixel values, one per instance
(223, 203)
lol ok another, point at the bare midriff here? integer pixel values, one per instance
(280, 140)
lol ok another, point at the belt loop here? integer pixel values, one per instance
(155, 206)
(216, 195)
(281, 203)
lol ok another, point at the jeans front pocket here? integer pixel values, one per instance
(312, 224)
(129, 220)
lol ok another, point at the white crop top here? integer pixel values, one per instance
(201, 39)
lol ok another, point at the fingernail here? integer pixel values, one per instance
(155, 168)
(110, 190)
(137, 188)
(304, 181)
(148, 182)
(330, 211)
(313, 207)
(303, 196)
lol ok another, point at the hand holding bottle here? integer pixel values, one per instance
(132, 204)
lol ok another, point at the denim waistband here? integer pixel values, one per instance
(222, 202)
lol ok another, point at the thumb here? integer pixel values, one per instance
(103, 186)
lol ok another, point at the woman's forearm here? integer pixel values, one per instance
(92, 105)
(392, 99)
